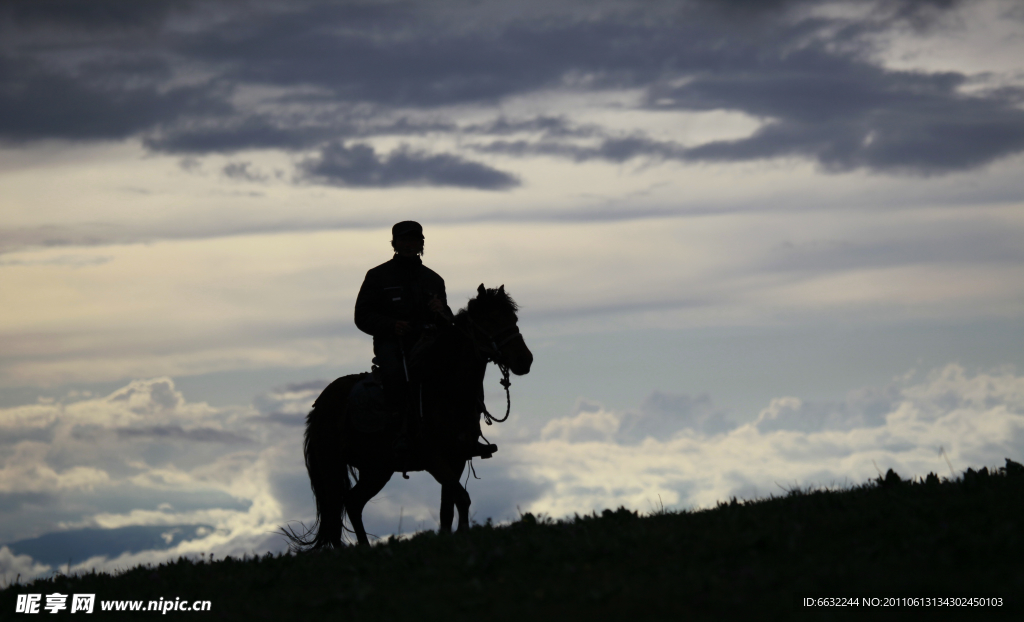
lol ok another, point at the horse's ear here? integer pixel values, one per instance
(480, 290)
(501, 290)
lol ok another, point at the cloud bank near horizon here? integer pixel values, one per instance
(231, 476)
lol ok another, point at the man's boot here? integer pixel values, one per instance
(481, 450)
(473, 448)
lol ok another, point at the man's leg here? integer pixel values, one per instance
(388, 357)
(396, 388)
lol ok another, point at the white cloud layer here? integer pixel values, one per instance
(974, 420)
(144, 455)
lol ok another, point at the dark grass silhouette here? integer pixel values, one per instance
(887, 538)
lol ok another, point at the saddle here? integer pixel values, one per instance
(368, 410)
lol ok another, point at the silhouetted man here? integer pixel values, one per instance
(397, 299)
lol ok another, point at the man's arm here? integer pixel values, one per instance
(368, 316)
(439, 301)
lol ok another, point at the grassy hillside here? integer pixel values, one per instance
(887, 538)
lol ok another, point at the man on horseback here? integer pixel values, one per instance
(399, 304)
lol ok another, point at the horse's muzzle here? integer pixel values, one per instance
(520, 363)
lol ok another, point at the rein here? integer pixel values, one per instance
(492, 354)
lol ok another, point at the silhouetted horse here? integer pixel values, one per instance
(339, 442)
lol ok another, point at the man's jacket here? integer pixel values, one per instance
(398, 289)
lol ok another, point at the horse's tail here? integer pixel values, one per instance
(327, 468)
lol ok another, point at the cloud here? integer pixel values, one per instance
(360, 166)
(12, 566)
(309, 385)
(842, 113)
(286, 419)
(237, 132)
(153, 498)
(244, 171)
(660, 416)
(591, 423)
(108, 14)
(75, 261)
(200, 435)
(280, 79)
(589, 460)
(547, 125)
(142, 448)
(934, 241)
(663, 414)
(78, 545)
(291, 400)
(14, 501)
(37, 102)
(610, 149)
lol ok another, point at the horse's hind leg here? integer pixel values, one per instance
(370, 483)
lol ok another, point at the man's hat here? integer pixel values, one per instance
(406, 228)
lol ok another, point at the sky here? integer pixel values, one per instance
(756, 246)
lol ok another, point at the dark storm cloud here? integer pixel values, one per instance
(847, 114)
(612, 149)
(843, 113)
(360, 166)
(345, 71)
(229, 134)
(244, 171)
(409, 56)
(38, 103)
(550, 126)
(16, 501)
(104, 14)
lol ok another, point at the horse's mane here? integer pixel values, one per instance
(487, 302)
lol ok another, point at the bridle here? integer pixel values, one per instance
(491, 349)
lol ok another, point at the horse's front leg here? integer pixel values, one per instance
(450, 497)
(453, 495)
(447, 508)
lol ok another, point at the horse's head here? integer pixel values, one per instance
(493, 314)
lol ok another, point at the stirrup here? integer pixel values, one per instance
(479, 450)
